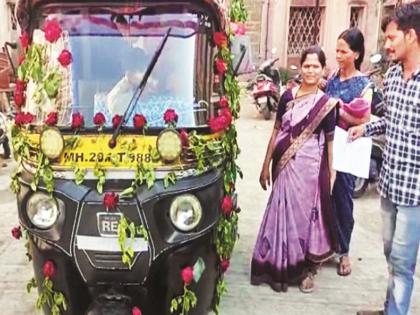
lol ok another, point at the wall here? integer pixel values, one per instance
(6, 31)
(255, 25)
(336, 20)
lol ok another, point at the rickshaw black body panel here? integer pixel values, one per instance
(155, 276)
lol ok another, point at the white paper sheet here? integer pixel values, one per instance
(351, 157)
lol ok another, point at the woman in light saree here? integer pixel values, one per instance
(297, 231)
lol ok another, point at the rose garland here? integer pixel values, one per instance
(226, 234)
(55, 300)
(35, 67)
(188, 299)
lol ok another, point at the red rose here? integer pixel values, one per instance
(227, 205)
(224, 264)
(187, 275)
(116, 120)
(135, 311)
(24, 40)
(77, 121)
(170, 116)
(20, 85)
(220, 66)
(17, 232)
(227, 114)
(214, 124)
(65, 58)
(184, 138)
(51, 119)
(222, 122)
(220, 39)
(19, 98)
(49, 269)
(28, 118)
(20, 119)
(99, 119)
(52, 30)
(139, 121)
(224, 102)
(110, 200)
(21, 59)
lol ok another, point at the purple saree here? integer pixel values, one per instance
(296, 227)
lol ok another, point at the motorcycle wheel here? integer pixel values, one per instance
(267, 110)
(360, 186)
(266, 113)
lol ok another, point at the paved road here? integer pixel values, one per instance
(333, 296)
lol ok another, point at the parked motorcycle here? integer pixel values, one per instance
(361, 184)
(378, 142)
(266, 88)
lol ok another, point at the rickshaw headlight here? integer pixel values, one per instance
(42, 210)
(186, 212)
(52, 143)
(169, 145)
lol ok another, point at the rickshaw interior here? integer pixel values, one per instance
(112, 48)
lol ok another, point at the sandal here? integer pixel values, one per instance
(307, 285)
(344, 266)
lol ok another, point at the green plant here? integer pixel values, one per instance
(100, 174)
(127, 231)
(227, 235)
(184, 302)
(35, 67)
(169, 179)
(55, 300)
(238, 12)
(221, 289)
(79, 174)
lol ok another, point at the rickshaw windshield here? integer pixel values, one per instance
(111, 52)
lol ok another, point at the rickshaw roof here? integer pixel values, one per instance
(218, 8)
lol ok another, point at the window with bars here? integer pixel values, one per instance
(304, 28)
(356, 14)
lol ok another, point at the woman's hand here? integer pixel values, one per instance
(265, 177)
(322, 84)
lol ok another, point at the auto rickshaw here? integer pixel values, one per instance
(126, 151)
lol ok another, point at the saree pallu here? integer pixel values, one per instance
(296, 227)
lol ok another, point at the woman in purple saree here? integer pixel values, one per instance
(296, 231)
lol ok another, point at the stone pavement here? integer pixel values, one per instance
(334, 295)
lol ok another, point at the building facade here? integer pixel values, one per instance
(284, 28)
(8, 23)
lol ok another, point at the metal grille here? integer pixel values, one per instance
(303, 22)
(355, 16)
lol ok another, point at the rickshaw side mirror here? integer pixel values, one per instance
(241, 50)
(241, 58)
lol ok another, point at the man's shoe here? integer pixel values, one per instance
(370, 313)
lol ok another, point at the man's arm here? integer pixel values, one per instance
(375, 128)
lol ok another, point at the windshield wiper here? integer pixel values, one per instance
(139, 90)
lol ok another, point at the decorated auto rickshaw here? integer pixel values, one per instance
(126, 146)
